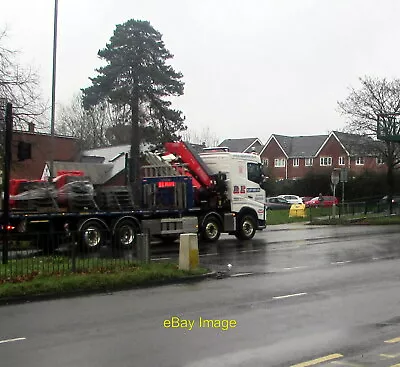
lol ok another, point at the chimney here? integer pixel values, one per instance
(31, 127)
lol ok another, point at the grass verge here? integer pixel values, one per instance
(92, 280)
(281, 216)
(366, 220)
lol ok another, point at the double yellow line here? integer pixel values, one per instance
(313, 362)
(334, 356)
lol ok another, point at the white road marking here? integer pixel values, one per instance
(241, 274)
(208, 255)
(296, 267)
(161, 258)
(11, 340)
(341, 262)
(290, 295)
(250, 251)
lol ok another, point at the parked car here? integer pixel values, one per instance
(277, 202)
(395, 199)
(306, 198)
(293, 199)
(326, 202)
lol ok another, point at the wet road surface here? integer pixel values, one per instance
(320, 296)
(282, 248)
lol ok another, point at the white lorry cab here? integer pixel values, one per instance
(244, 177)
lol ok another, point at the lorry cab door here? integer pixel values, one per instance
(254, 179)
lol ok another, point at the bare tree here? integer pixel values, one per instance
(98, 126)
(365, 106)
(89, 126)
(205, 136)
(20, 86)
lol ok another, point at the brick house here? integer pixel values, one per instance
(291, 157)
(67, 149)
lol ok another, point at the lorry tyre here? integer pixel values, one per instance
(211, 229)
(125, 234)
(91, 236)
(247, 227)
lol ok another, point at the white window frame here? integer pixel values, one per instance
(325, 161)
(308, 162)
(380, 161)
(342, 161)
(296, 162)
(359, 161)
(279, 162)
(265, 162)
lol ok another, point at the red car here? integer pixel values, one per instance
(327, 202)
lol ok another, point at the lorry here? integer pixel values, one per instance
(213, 192)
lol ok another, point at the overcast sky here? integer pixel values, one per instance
(251, 67)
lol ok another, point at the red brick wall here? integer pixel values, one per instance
(369, 164)
(332, 148)
(272, 152)
(301, 170)
(66, 149)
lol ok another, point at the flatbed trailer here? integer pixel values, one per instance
(95, 229)
(220, 194)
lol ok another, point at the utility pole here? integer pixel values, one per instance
(6, 180)
(53, 91)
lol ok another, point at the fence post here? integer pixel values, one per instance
(143, 247)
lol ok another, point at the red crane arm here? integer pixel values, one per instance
(195, 164)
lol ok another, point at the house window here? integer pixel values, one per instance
(265, 162)
(380, 160)
(341, 161)
(296, 162)
(280, 162)
(325, 161)
(308, 162)
(359, 161)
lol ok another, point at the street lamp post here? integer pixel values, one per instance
(53, 90)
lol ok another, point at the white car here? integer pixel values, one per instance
(292, 199)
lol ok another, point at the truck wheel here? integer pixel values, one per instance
(247, 228)
(91, 236)
(125, 234)
(211, 229)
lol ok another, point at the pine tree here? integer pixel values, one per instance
(137, 77)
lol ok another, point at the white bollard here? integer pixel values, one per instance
(188, 251)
